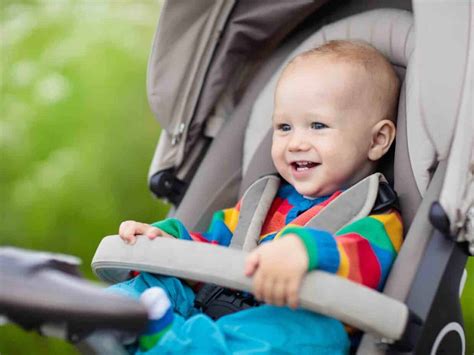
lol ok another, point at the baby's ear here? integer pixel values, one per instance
(383, 134)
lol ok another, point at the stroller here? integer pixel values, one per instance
(211, 86)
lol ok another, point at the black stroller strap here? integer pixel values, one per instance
(217, 301)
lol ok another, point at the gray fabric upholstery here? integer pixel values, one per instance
(421, 152)
(452, 22)
(353, 204)
(415, 242)
(260, 164)
(173, 94)
(216, 183)
(249, 32)
(449, 121)
(404, 269)
(257, 201)
(405, 184)
(192, 67)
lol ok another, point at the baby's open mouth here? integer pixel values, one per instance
(303, 165)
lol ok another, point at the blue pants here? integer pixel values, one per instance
(260, 330)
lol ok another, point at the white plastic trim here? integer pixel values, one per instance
(463, 282)
(451, 327)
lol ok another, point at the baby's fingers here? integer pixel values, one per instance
(153, 232)
(129, 229)
(251, 264)
(258, 281)
(267, 289)
(292, 293)
(127, 232)
(278, 297)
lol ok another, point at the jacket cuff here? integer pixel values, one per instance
(171, 226)
(309, 243)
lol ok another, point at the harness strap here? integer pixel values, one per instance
(255, 205)
(217, 301)
(370, 194)
(354, 203)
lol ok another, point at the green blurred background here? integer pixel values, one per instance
(76, 133)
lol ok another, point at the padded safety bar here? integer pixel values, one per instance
(321, 292)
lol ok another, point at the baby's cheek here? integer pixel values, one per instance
(276, 155)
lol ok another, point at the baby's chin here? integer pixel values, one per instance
(315, 192)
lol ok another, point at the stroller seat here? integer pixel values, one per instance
(239, 154)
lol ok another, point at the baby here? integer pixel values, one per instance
(333, 120)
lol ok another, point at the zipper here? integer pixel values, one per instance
(176, 137)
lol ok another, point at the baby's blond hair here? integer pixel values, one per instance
(382, 74)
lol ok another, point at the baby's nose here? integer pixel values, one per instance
(298, 141)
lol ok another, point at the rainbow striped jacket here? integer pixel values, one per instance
(362, 251)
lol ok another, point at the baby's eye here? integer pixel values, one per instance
(318, 125)
(285, 127)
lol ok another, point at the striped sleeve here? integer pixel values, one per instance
(220, 231)
(362, 251)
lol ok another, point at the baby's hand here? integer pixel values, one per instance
(128, 231)
(278, 268)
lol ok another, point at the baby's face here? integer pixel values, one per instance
(322, 126)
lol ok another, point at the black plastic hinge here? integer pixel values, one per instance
(439, 219)
(164, 184)
(387, 199)
(409, 338)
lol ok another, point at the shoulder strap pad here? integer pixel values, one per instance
(370, 195)
(354, 203)
(254, 207)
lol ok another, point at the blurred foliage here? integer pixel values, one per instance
(467, 303)
(76, 133)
